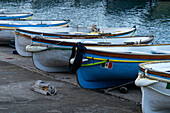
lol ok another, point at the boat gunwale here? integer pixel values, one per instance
(87, 37)
(131, 55)
(16, 14)
(64, 37)
(154, 72)
(35, 20)
(47, 40)
(15, 26)
(85, 44)
(77, 35)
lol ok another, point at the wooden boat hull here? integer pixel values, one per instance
(15, 16)
(7, 30)
(68, 33)
(108, 68)
(55, 56)
(154, 80)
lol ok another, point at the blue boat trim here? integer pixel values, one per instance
(112, 60)
(15, 17)
(157, 76)
(38, 25)
(154, 73)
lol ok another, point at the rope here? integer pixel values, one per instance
(91, 64)
(57, 48)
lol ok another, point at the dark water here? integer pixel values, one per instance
(113, 13)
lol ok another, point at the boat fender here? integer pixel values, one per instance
(142, 82)
(72, 60)
(76, 57)
(31, 48)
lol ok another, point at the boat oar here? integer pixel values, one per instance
(36, 48)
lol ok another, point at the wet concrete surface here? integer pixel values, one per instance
(18, 74)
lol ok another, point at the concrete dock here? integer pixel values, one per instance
(18, 74)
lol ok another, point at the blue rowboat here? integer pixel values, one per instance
(7, 27)
(52, 55)
(113, 66)
(154, 80)
(33, 23)
(15, 16)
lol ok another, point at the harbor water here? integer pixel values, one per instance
(103, 13)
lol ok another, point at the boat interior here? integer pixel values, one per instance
(138, 49)
(75, 30)
(104, 40)
(163, 67)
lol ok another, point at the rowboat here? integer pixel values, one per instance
(52, 55)
(33, 23)
(15, 16)
(154, 80)
(113, 66)
(23, 35)
(78, 32)
(7, 27)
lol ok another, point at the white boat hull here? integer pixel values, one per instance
(154, 80)
(52, 60)
(6, 35)
(153, 101)
(20, 45)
